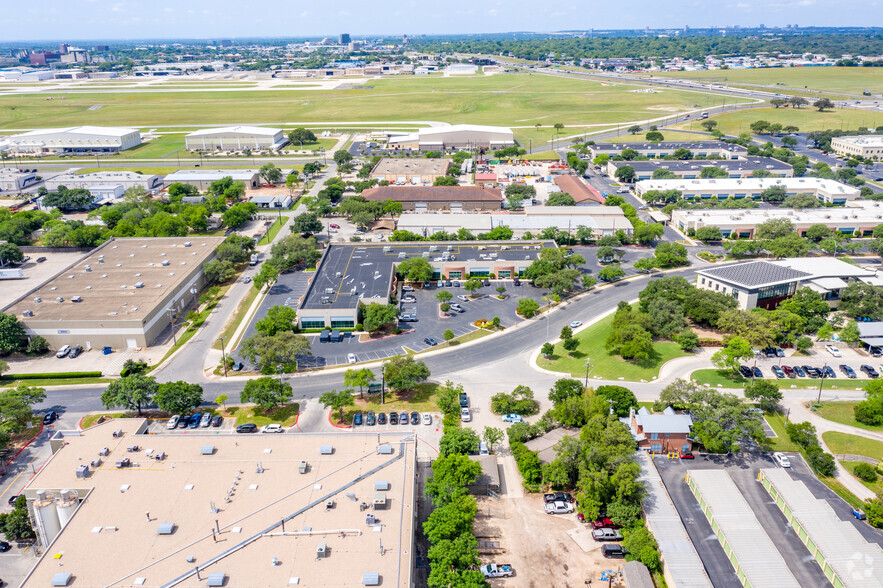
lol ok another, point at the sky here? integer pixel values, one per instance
(214, 19)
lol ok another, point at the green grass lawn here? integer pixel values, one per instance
(875, 486)
(781, 442)
(236, 319)
(669, 136)
(842, 412)
(607, 365)
(840, 443)
(852, 80)
(806, 119)
(90, 419)
(506, 99)
(162, 147)
(274, 228)
(285, 415)
(320, 144)
(713, 377)
(422, 399)
(54, 382)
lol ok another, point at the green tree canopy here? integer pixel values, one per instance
(278, 319)
(266, 392)
(130, 392)
(178, 397)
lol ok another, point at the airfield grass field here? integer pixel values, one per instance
(508, 99)
(848, 80)
(805, 118)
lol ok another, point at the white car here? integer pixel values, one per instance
(782, 459)
(173, 422)
(427, 418)
(246, 279)
(463, 297)
(558, 507)
(623, 191)
(833, 351)
(272, 428)
(351, 358)
(409, 299)
(575, 324)
(465, 415)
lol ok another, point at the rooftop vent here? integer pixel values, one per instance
(381, 485)
(76, 298)
(216, 579)
(207, 450)
(38, 300)
(371, 579)
(326, 450)
(139, 284)
(321, 550)
(187, 243)
(59, 299)
(63, 579)
(165, 529)
(165, 262)
(384, 449)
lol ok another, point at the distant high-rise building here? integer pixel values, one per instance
(101, 48)
(761, 26)
(345, 39)
(405, 39)
(225, 43)
(62, 48)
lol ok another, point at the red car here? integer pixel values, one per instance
(686, 455)
(604, 523)
(334, 226)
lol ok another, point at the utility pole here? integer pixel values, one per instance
(223, 353)
(172, 321)
(588, 367)
(383, 383)
(821, 381)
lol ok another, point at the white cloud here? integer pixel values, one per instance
(118, 7)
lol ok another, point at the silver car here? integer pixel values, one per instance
(206, 420)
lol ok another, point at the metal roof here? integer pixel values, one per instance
(683, 563)
(754, 274)
(857, 563)
(752, 548)
(667, 422)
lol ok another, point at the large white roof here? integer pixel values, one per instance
(242, 130)
(825, 267)
(730, 184)
(462, 128)
(101, 131)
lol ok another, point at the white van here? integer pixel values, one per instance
(63, 351)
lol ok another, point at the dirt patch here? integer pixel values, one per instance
(546, 551)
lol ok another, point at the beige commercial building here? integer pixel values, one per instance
(235, 139)
(13, 180)
(692, 168)
(124, 293)
(114, 506)
(860, 146)
(828, 191)
(663, 148)
(426, 198)
(413, 170)
(466, 137)
(203, 178)
(126, 179)
(72, 140)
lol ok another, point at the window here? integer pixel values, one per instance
(668, 435)
(702, 281)
(455, 275)
(777, 291)
(481, 272)
(656, 447)
(342, 323)
(504, 274)
(436, 274)
(716, 287)
(654, 436)
(312, 323)
(685, 448)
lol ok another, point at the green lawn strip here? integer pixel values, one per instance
(285, 415)
(90, 419)
(712, 377)
(54, 382)
(852, 80)
(806, 119)
(236, 319)
(843, 443)
(876, 486)
(470, 336)
(274, 228)
(607, 365)
(781, 442)
(422, 399)
(840, 490)
(668, 134)
(842, 412)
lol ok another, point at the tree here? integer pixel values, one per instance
(342, 157)
(775, 228)
(458, 441)
(708, 125)
(713, 172)
(266, 392)
(16, 407)
(277, 320)
(625, 173)
(178, 397)
(642, 547)
(798, 101)
(238, 214)
(267, 352)
(631, 341)
(271, 173)
(850, 333)
(446, 181)
(709, 233)
(447, 397)
(570, 344)
(358, 377)
(789, 142)
(622, 398)
(131, 392)
(12, 334)
(671, 254)
(666, 318)
(218, 271)
(416, 269)
(682, 153)
(760, 126)
(662, 173)
(635, 129)
(729, 357)
(527, 307)
(565, 388)
(492, 436)
(306, 222)
(560, 199)
(452, 471)
(16, 525)
(773, 194)
(654, 136)
(647, 232)
(403, 373)
(472, 285)
(803, 201)
(10, 253)
(807, 304)
(558, 126)
(823, 104)
(448, 335)
(765, 392)
(857, 300)
(611, 273)
(266, 275)
(337, 401)
(301, 135)
(688, 341)
(4, 367)
(451, 519)
(376, 315)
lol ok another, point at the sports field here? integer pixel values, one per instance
(805, 118)
(849, 80)
(512, 100)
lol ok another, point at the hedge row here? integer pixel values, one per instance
(50, 376)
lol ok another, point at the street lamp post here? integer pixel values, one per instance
(279, 371)
(223, 353)
(588, 367)
(383, 383)
(172, 321)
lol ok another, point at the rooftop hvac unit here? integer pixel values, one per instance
(385, 449)
(326, 450)
(104, 452)
(88, 268)
(379, 500)
(64, 578)
(139, 284)
(321, 550)
(187, 243)
(207, 450)
(217, 579)
(38, 300)
(165, 529)
(59, 299)
(83, 471)
(165, 262)
(76, 298)
(381, 485)
(95, 463)
(371, 579)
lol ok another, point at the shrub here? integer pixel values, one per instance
(50, 376)
(37, 345)
(445, 307)
(688, 341)
(448, 335)
(868, 413)
(866, 472)
(451, 420)
(521, 401)
(822, 463)
(528, 463)
(360, 327)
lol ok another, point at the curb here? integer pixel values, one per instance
(332, 424)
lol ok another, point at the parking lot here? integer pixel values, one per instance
(818, 358)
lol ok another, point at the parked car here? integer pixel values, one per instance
(685, 455)
(407, 288)
(789, 371)
(41, 259)
(497, 570)
(393, 418)
(237, 367)
(381, 418)
(272, 428)
(558, 507)
(781, 459)
(613, 551)
(430, 341)
(463, 297)
(408, 318)
(464, 400)
(769, 352)
(247, 428)
(76, 351)
(217, 421)
(465, 415)
(850, 373)
(604, 523)
(486, 283)
(440, 284)
(859, 514)
(4, 547)
(780, 373)
(833, 351)
(13, 499)
(370, 418)
(194, 421)
(185, 420)
(50, 417)
(448, 283)
(799, 371)
(457, 308)
(517, 282)
(357, 419)
(575, 324)
(206, 420)
(829, 372)
(403, 418)
(871, 372)
(512, 418)
(606, 535)
(409, 299)
(745, 371)
(756, 372)
(557, 497)
(63, 351)
(810, 371)
(622, 190)
(415, 418)
(351, 358)
(173, 422)
(334, 226)
(427, 418)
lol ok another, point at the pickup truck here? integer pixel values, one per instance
(497, 570)
(606, 535)
(558, 507)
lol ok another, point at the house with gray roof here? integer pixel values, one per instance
(660, 432)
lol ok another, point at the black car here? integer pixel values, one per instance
(811, 371)
(464, 400)
(12, 499)
(357, 418)
(4, 546)
(486, 282)
(50, 417)
(779, 372)
(393, 418)
(850, 373)
(237, 367)
(216, 422)
(756, 372)
(448, 283)
(557, 496)
(415, 418)
(829, 372)
(799, 371)
(430, 341)
(517, 282)
(247, 428)
(182, 422)
(41, 259)
(769, 352)
(745, 371)
(381, 418)
(871, 372)
(370, 419)
(75, 352)
(613, 551)
(456, 284)
(403, 418)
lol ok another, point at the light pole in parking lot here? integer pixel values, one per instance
(223, 353)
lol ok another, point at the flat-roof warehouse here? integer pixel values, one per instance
(233, 510)
(122, 294)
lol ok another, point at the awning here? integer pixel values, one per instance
(831, 283)
(872, 341)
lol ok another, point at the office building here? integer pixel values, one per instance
(467, 137)
(691, 168)
(867, 146)
(828, 191)
(414, 171)
(424, 198)
(78, 140)
(235, 139)
(717, 149)
(125, 179)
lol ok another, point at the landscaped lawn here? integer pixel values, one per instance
(422, 399)
(90, 419)
(604, 363)
(713, 377)
(806, 119)
(876, 486)
(285, 415)
(274, 228)
(781, 442)
(840, 443)
(842, 412)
